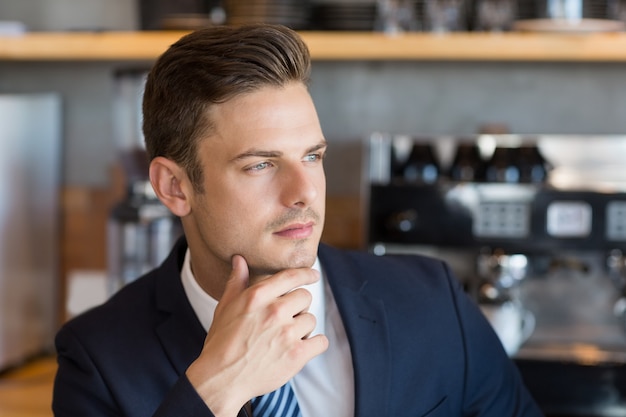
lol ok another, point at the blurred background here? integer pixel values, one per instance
(543, 233)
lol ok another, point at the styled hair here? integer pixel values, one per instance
(208, 67)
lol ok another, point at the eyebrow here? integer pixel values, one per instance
(258, 153)
(323, 144)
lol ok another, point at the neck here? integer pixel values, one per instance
(211, 279)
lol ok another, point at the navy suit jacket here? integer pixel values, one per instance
(420, 346)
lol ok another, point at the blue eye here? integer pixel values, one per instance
(259, 167)
(312, 157)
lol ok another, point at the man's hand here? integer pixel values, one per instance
(258, 339)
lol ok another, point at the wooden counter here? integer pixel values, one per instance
(27, 390)
(336, 46)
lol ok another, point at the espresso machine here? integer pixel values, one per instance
(141, 231)
(534, 226)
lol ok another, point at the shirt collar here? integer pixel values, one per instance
(204, 305)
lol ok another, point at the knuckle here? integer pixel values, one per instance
(303, 294)
(275, 312)
(256, 295)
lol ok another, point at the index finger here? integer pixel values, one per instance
(286, 281)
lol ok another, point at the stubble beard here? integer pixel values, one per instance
(303, 251)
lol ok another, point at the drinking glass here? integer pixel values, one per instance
(396, 16)
(617, 10)
(570, 10)
(445, 15)
(495, 15)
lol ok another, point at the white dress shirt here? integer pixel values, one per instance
(325, 386)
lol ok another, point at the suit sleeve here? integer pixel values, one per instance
(81, 390)
(493, 385)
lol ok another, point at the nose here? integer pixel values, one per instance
(301, 185)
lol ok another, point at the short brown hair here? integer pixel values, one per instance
(211, 66)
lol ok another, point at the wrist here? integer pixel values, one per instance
(217, 396)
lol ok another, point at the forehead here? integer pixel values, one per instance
(280, 116)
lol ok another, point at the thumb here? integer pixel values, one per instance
(238, 279)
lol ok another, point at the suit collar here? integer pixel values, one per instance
(366, 326)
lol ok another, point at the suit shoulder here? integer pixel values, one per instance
(361, 265)
(363, 259)
(120, 310)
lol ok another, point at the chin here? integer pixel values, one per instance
(303, 255)
(278, 258)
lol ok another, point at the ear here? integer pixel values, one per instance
(170, 182)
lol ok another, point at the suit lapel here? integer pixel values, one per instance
(180, 331)
(181, 342)
(365, 322)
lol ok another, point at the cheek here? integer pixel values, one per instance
(321, 185)
(245, 209)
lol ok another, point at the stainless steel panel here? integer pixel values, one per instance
(30, 145)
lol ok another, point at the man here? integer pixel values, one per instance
(250, 302)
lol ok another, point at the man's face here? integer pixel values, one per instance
(264, 184)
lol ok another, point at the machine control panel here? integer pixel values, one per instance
(568, 219)
(505, 216)
(502, 219)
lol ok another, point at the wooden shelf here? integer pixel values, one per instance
(336, 46)
(86, 46)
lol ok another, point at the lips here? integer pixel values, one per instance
(296, 231)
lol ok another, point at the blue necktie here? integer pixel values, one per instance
(279, 403)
